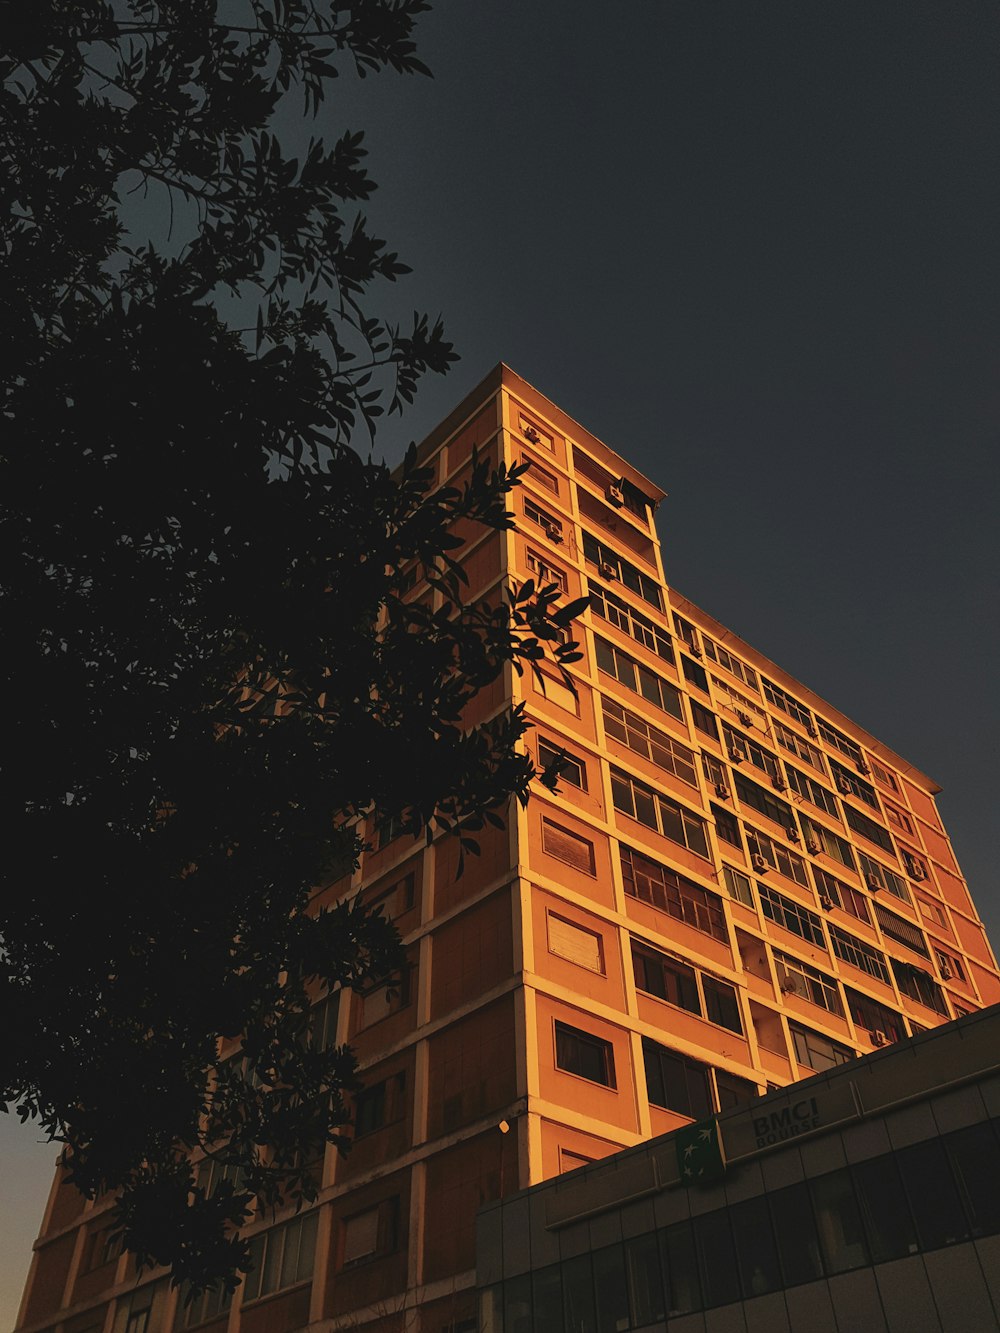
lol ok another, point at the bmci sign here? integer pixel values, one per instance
(779, 1120)
(778, 1126)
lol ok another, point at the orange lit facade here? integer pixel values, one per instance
(734, 887)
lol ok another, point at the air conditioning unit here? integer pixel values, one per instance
(759, 863)
(826, 902)
(722, 791)
(917, 871)
(879, 1038)
(531, 434)
(812, 731)
(863, 767)
(792, 833)
(745, 718)
(615, 496)
(843, 785)
(736, 754)
(695, 649)
(607, 571)
(873, 882)
(553, 534)
(778, 783)
(814, 846)
(946, 972)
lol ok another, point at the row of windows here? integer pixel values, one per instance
(617, 611)
(674, 1082)
(676, 981)
(920, 1198)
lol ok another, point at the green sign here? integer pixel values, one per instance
(699, 1153)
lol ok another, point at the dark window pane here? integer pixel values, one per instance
(721, 1004)
(680, 1269)
(838, 1221)
(578, 1295)
(546, 1295)
(755, 1248)
(886, 1214)
(716, 1259)
(610, 1289)
(645, 1286)
(517, 1304)
(795, 1232)
(975, 1158)
(933, 1194)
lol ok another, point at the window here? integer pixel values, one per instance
(596, 553)
(742, 748)
(281, 1257)
(694, 673)
(918, 985)
(817, 1052)
(585, 1055)
(704, 719)
(568, 769)
(764, 802)
(841, 1235)
(739, 885)
(798, 978)
(842, 895)
(903, 932)
(549, 524)
(141, 1311)
(657, 691)
(873, 1017)
(726, 826)
(665, 977)
(778, 857)
(545, 572)
(851, 785)
(323, 1021)
(388, 829)
(686, 631)
(932, 911)
(381, 1104)
(665, 889)
(572, 1161)
(395, 898)
(558, 693)
(878, 876)
(821, 839)
(899, 818)
(790, 915)
(883, 776)
(659, 812)
(849, 949)
(567, 846)
(542, 476)
(733, 665)
(786, 704)
(575, 943)
(386, 999)
(840, 742)
(675, 1082)
(950, 965)
(645, 739)
(618, 613)
(722, 1005)
(812, 791)
(799, 746)
(370, 1234)
(206, 1306)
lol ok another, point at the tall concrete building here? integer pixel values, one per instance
(734, 888)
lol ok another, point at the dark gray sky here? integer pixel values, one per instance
(752, 247)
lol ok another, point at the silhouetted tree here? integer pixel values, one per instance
(211, 675)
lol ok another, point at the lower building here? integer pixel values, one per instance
(867, 1198)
